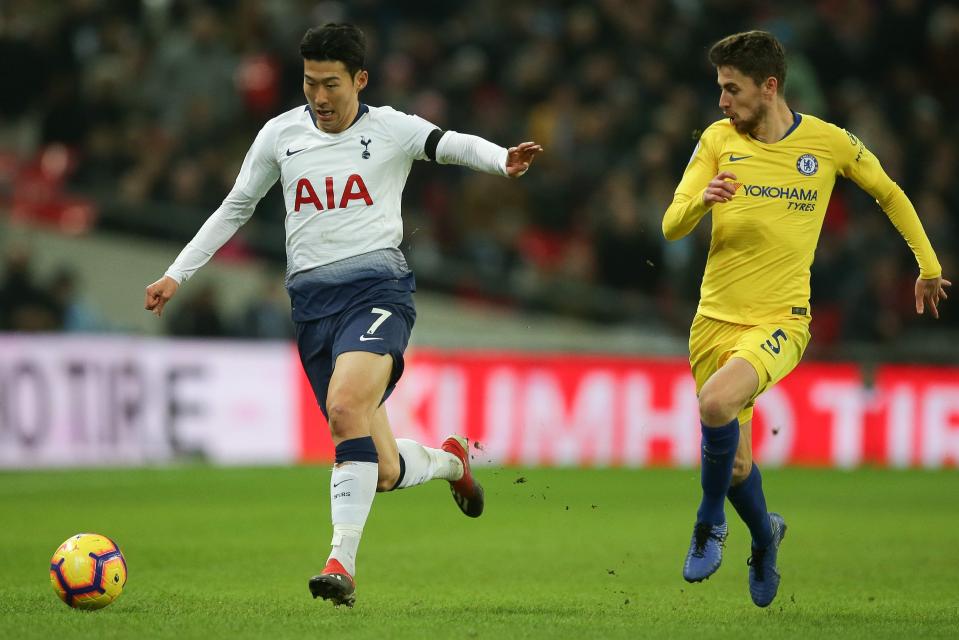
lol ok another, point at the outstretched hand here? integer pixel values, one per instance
(519, 158)
(159, 293)
(932, 290)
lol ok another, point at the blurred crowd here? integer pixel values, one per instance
(29, 305)
(56, 303)
(140, 112)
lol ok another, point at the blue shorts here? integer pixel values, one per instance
(379, 327)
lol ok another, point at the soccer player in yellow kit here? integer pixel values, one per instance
(766, 173)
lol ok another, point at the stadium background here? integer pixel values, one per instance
(130, 120)
(552, 326)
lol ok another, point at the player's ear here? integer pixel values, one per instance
(362, 77)
(770, 86)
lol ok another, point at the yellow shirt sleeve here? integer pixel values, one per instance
(687, 207)
(858, 164)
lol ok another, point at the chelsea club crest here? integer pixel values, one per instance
(807, 164)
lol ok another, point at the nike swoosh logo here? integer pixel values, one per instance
(336, 484)
(732, 158)
(290, 153)
(365, 339)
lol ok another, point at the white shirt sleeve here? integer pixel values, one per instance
(473, 152)
(260, 170)
(409, 132)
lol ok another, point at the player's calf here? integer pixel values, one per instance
(389, 474)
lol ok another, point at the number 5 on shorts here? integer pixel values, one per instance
(383, 315)
(774, 349)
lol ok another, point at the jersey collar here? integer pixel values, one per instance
(797, 118)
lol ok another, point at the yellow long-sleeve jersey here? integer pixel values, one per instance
(764, 238)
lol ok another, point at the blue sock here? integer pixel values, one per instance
(750, 503)
(356, 450)
(718, 452)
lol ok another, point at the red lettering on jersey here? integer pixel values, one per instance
(330, 201)
(360, 194)
(306, 195)
(355, 190)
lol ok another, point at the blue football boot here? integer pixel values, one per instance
(763, 576)
(705, 551)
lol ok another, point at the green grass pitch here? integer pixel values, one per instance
(226, 553)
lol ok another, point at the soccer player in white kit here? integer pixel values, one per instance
(343, 166)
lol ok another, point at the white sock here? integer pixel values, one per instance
(352, 487)
(424, 464)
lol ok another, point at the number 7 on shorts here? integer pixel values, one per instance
(383, 315)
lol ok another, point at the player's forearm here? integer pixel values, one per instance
(473, 152)
(903, 215)
(214, 233)
(683, 215)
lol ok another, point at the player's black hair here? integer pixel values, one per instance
(338, 43)
(757, 54)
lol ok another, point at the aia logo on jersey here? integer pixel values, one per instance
(355, 189)
(366, 147)
(807, 164)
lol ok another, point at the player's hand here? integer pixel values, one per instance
(720, 189)
(159, 293)
(932, 290)
(519, 158)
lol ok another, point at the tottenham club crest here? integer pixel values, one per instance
(807, 164)
(366, 147)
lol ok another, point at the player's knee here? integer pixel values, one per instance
(346, 419)
(389, 475)
(716, 410)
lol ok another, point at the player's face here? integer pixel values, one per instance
(333, 94)
(741, 99)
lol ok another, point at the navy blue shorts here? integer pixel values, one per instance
(374, 327)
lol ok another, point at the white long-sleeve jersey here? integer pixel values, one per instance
(342, 190)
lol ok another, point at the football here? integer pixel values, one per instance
(88, 571)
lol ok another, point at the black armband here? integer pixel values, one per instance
(432, 141)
